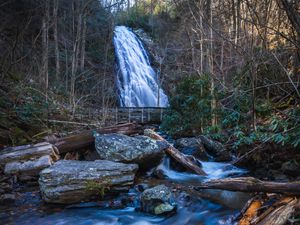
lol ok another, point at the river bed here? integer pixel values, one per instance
(208, 207)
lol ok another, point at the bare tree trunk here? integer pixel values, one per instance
(75, 54)
(55, 36)
(83, 41)
(254, 81)
(201, 45)
(45, 47)
(211, 65)
(175, 154)
(292, 10)
(66, 67)
(234, 20)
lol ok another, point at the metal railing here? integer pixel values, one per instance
(124, 114)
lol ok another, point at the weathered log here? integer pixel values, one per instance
(86, 139)
(69, 181)
(27, 152)
(31, 167)
(175, 154)
(250, 184)
(28, 160)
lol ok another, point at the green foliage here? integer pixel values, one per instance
(190, 108)
(31, 105)
(190, 113)
(286, 130)
(136, 17)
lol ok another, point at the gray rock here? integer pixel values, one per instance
(7, 199)
(216, 149)
(191, 146)
(70, 181)
(188, 142)
(158, 200)
(141, 150)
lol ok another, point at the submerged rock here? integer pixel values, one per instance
(141, 150)
(158, 200)
(70, 181)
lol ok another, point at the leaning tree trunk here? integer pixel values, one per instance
(175, 154)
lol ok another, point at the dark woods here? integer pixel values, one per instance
(228, 66)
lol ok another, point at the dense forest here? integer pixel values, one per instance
(230, 69)
(230, 62)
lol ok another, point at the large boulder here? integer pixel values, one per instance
(215, 148)
(158, 200)
(141, 150)
(191, 146)
(69, 181)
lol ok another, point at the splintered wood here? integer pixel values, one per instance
(278, 213)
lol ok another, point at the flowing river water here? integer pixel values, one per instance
(207, 207)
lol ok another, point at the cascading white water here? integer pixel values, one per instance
(137, 82)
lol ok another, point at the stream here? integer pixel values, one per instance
(207, 207)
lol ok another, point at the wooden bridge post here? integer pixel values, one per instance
(116, 115)
(148, 114)
(129, 115)
(142, 115)
(161, 114)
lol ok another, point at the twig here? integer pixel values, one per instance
(288, 74)
(75, 123)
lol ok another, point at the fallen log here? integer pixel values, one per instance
(86, 139)
(28, 160)
(250, 184)
(28, 170)
(175, 154)
(27, 152)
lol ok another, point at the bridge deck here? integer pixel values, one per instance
(124, 114)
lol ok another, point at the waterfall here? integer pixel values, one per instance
(137, 82)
